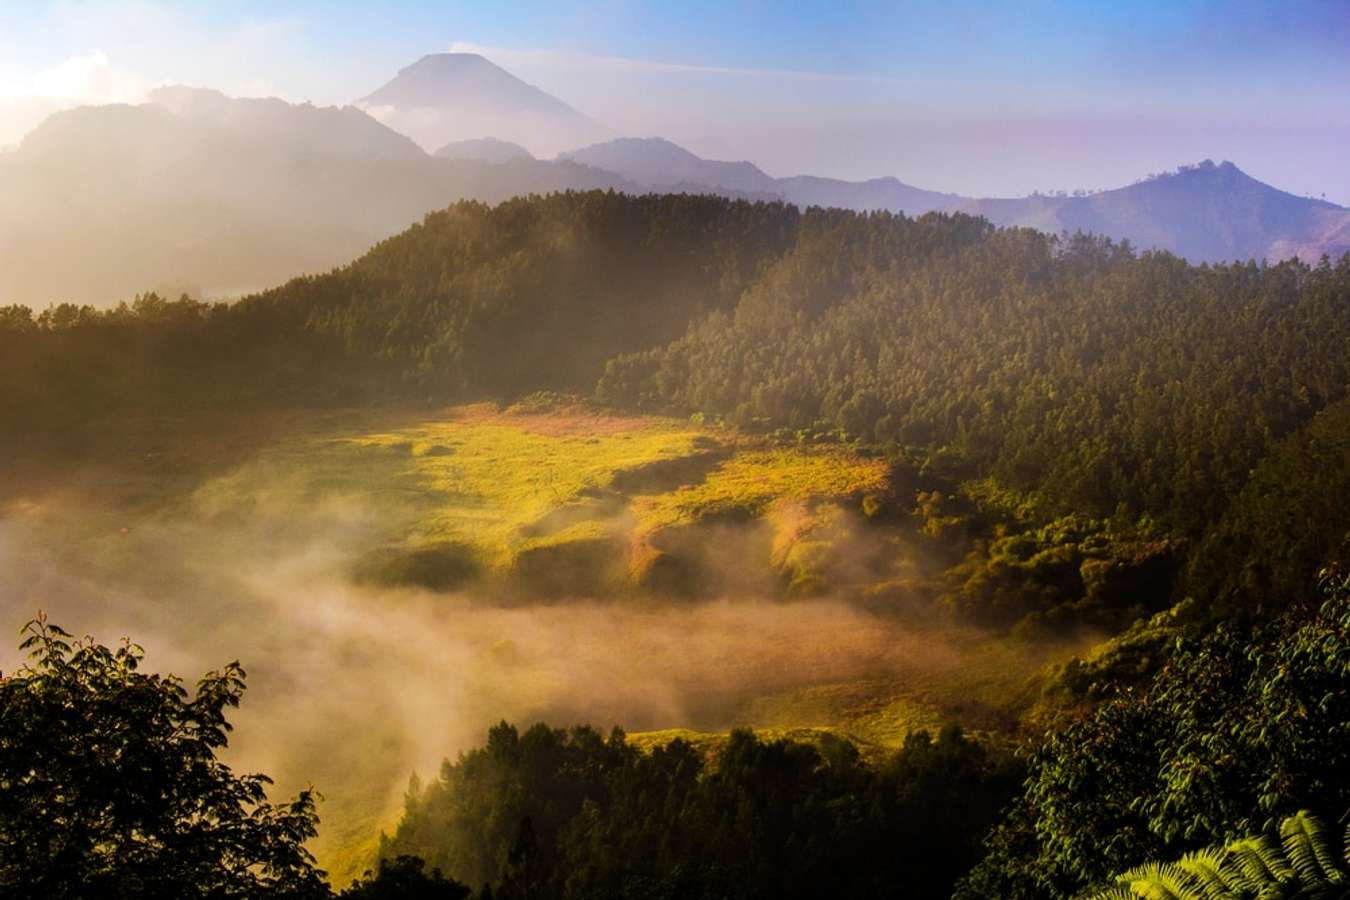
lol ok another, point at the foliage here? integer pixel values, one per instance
(110, 785)
(551, 813)
(1234, 732)
(405, 878)
(1289, 520)
(1302, 863)
(1071, 570)
(1105, 383)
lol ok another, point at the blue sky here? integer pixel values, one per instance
(978, 97)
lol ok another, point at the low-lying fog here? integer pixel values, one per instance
(353, 688)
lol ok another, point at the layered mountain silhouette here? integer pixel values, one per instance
(1207, 212)
(449, 97)
(660, 164)
(201, 192)
(487, 149)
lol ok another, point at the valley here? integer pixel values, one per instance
(398, 580)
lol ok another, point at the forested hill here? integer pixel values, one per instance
(1066, 377)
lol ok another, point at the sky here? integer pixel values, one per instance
(976, 97)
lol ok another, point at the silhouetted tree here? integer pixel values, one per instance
(110, 785)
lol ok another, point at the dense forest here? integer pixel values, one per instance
(1106, 438)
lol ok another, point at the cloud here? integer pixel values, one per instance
(144, 43)
(566, 60)
(87, 78)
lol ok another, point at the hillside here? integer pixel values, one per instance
(1111, 444)
(445, 97)
(658, 163)
(289, 130)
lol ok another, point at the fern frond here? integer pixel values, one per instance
(1209, 869)
(1261, 861)
(1308, 850)
(1116, 893)
(1162, 881)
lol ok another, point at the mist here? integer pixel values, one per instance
(353, 688)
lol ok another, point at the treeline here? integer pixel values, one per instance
(554, 813)
(533, 293)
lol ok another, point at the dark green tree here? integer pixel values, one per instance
(405, 878)
(110, 785)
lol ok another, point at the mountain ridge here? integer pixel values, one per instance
(214, 195)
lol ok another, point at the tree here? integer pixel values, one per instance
(406, 878)
(110, 785)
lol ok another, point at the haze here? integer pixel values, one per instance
(982, 99)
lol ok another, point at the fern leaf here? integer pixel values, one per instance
(1162, 881)
(1308, 850)
(1262, 861)
(1209, 868)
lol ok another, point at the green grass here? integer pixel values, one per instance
(518, 485)
(753, 480)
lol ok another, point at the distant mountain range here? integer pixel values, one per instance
(448, 97)
(199, 192)
(659, 164)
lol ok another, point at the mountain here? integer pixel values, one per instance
(298, 129)
(487, 149)
(875, 193)
(446, 97)
(1207, 213)
(201, 193)
(660, 164)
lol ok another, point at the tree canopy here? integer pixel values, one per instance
(110, 785)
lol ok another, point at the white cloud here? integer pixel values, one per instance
(88, 78)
